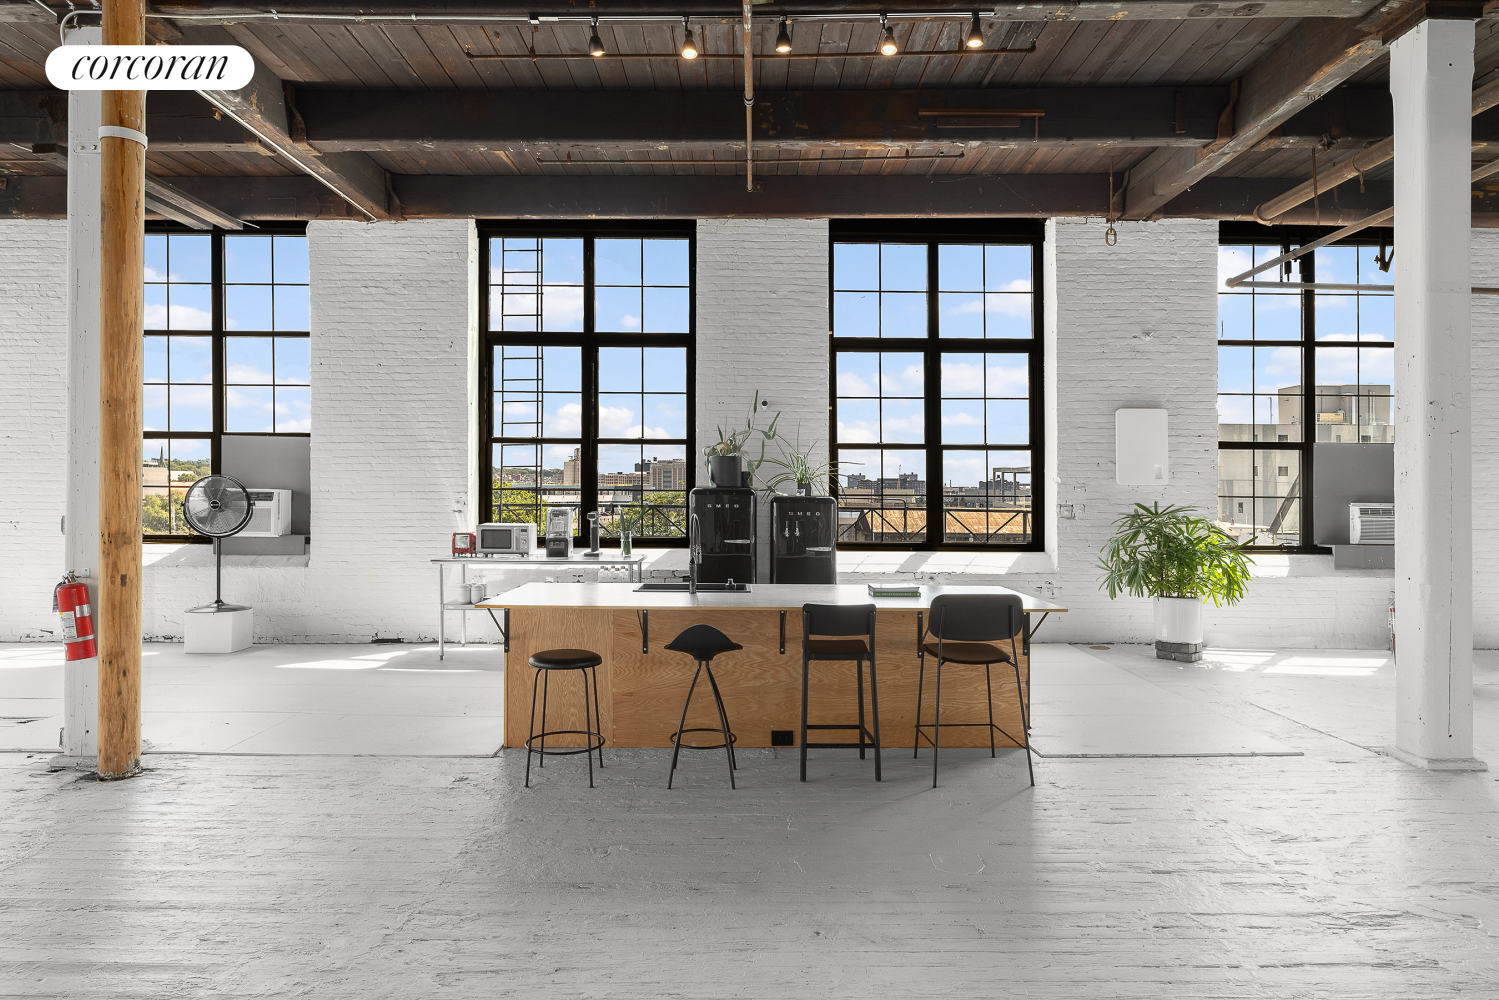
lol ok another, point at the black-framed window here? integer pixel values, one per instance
(936, 384)
(587, 376)
(226, 352)
(1272, 344)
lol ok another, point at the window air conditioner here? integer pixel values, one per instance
(271, 515)
(1371, 523)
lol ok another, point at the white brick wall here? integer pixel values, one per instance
(33, 440)
(392, 441)
(762, 325)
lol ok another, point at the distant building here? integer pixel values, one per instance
(570, 474)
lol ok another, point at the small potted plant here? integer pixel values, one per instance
(799, 466)
(728, 457)
(1182, 560)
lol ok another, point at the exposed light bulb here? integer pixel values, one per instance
(783, 40)
(595, 44)
(689, 47)
(976, 33)
(887, 39)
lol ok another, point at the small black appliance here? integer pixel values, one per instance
(802, 548)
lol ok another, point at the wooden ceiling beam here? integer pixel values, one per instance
(1015, 196)
(261, 108)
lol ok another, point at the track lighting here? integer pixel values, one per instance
(689, 47)
(976, 33)
(783, 40)
(595, 44)
(887, 39)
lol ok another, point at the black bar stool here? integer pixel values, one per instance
(966, 627)
(584, 661)
(702, 643)
(845, 621)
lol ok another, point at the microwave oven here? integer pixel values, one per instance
(505, 539)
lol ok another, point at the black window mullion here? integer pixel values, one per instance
(588, 471)
(936, 519)
(1309, 396)
(220, 369)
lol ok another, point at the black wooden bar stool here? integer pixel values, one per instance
(584, 661)
(702, 643)
(845, 622)
(967, 626)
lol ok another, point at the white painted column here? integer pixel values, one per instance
(81, 545)
(1431, 81)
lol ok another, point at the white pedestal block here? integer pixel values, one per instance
(218, 631)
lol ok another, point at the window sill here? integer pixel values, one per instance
(187, 555)
(1270, 566)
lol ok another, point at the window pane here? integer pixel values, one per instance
(616, 262)
(962, 421)
(986, 496)
(856, 266)
(961, 314)
(247, 259)
(902, 315)
(619, 369)
(1277, 315)
(290, 254)
(155, 359)
(960, 268)
(1008, 314)
(523, 488)
(562, 262)
(665, 262)
(856, 314)
(665, 369)
(293, 361)
(293, 410)
(156, 258)
(190, 258)
(1236, 317)
(665, 310)
(665, 415)
(293, 308)
(882, 496)
(189, 307)
(1376, 317)
(617, 310)
(156, 308)
(191, 408)
(246, 307)
(154, 412)
(619, 415)
(903, 267)
(1007, 268)
(250, 409)
(248, 360)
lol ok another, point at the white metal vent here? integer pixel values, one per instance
(1371, 523)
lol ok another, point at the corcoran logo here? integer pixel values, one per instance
(150, 67)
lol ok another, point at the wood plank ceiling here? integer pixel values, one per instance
(429, 57)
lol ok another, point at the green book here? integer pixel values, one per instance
(894, 590)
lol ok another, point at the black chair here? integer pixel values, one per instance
(545, 662)
(702, 643)
(967, 626)
(844, 621)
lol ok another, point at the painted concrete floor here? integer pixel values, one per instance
(1339, 873)
(284, 699)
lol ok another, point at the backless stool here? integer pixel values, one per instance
(967, 626)
(546, 662)
(702, 643)
(844, 621)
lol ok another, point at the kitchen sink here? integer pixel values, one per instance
(702, 588)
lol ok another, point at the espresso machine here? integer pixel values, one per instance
(559, 532)
(722, 529)
(803, 545)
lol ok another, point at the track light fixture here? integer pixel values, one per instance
(887, 39)
(976, 33)
(689, 47)
(783, 39)
(595, 44)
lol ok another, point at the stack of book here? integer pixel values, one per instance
(894, 590)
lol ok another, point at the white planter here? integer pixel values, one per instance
(1178, 619)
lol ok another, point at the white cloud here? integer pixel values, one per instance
(618, 421)
(158, 317)
(249, 374)
(565, 421)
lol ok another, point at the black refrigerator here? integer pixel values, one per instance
(803, 549)
(723, 522)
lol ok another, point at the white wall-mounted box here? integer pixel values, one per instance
(1141, 455)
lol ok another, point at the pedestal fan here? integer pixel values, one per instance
(218, 507)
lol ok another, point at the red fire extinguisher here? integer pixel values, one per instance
(71, 602)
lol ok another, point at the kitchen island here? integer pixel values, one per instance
(642, 685)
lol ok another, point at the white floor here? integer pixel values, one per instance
(1332, 874)
(281, 699)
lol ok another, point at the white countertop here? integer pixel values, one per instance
(761, 595)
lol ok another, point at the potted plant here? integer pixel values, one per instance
(727, 458)
(1180, 559)
(799, 466)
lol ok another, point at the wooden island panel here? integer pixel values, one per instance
(642, 693)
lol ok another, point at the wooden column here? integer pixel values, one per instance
(121, 304)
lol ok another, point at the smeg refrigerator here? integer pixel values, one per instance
(723, 525)
(802, 547)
